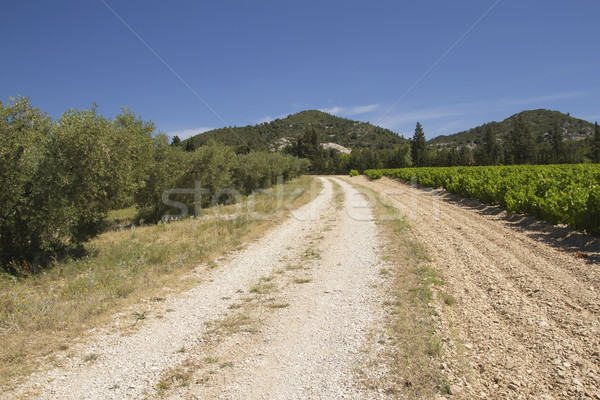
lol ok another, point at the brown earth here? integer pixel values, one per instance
(526, 321)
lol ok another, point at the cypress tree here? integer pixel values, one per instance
(596, 144)
(523, 148)
(491, 146)
(418, 147)
(558, 144)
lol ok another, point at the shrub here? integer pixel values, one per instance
(353, 172)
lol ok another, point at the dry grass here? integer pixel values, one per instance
(408, 344)
(41, 314)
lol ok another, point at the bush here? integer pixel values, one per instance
(62, 178)
(353, 172)
(373, 173)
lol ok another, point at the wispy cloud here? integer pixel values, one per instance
(350, 111)
(333, 110)
(362, 109)
(186, 133)
(450, 116)
(542, 99)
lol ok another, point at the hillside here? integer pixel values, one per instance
(541, 121)
(276, 134)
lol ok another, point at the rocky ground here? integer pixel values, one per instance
(527, 315)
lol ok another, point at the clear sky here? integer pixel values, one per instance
(244, 62)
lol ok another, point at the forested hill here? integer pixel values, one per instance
(541, 122)
(278, 133)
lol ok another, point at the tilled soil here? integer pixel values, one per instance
(527, 315)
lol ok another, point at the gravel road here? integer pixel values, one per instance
(527, 310)
(525, 323)
(307, 350)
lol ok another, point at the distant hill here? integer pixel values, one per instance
(276, 134)
(541, 122)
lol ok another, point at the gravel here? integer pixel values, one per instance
(308, 352)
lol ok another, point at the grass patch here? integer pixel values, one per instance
(411, 349)
(40, 312)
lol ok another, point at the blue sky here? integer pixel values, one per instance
(245, 62)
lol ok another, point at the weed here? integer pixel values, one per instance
(90, 357)
(448, 299)
(311, 254)
(434, 347)
(279, 305)
(139, 316)
(302, 280)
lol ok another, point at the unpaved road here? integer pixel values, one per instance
(527, 312)
(525, 325)
(310, 349)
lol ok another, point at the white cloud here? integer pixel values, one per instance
(362, 109)
(186, 133)
(450, 117)
(333, 110)
(350, 111)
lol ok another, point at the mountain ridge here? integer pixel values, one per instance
(279, 132)
(540, 120)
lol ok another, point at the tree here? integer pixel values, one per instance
(522, 144)
(491, 146)
(418, 147)
(23, 133)
(558, 144)
(189, 145)
(596, 144)
(309, 146)
(175, 141)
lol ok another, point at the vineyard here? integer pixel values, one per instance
(559, 194)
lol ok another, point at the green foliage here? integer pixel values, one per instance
(353, 173)
(62, 178)
(542, 124)
(491, 152)
(374, 173)
(274, 134)
(418, 147)
(309, 146)
(522, 148)
(595, 156)
(23, 133)
(568, 194)
(212, 174)
(165, 164)
(558, 144)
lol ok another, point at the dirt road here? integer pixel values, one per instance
(288, 316)
(527, 312)
(308, 289)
